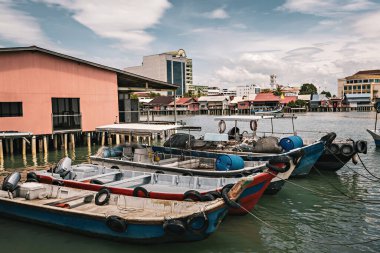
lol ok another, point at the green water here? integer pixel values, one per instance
(296, 220)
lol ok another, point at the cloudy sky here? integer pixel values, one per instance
(232, 42)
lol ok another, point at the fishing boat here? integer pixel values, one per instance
(265, 147)
(375, 133)
(267, 110)
(130, 154)
(156, 185)
(114, 216)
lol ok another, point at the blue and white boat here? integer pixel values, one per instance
(375, 133)
(111, 216)
(310, 153)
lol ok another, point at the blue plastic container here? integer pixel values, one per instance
(291, 142)
(229, 162)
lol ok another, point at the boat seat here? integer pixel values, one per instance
(99, 176)
(127, 180)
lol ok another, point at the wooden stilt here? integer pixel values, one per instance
(11, 146)
(89, 140)
(117, 139)
(1, 149)
(72, 141)
(6, 142)
(23, 147)
(45, 145)
(34, 148)
(103, 138)
(122, 138)
(55, 142)
(65, 142)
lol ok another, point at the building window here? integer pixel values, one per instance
(377, 80)
(345, 87)
(169, 71)
(10, 109)
(355, 81)
(365, 81)
(66, 114)
(177, 77)
(369, 87)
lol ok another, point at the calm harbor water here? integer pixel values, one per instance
(296, 220)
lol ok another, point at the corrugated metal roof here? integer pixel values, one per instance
(125, 78)
(212, 98)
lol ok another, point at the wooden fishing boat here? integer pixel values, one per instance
(375, 133)
(233, 143)
(157, 185)
(114, 216)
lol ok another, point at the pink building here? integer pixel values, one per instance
(45, 92)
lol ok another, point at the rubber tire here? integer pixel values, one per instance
(194, 218)
(208, 197)
(361, 147)
(253, 125)
(176, 227)
(345, 146)
(187, 174)
(221, 126)
(159, 172)
(240, 175)
(100, 193)
(279, 159)
(192, 193)
(116, 224)
(328, 138)
(32, 175)
(334, 149)
(140, 189)
(230, 203)
(215, 194)
(96, 181)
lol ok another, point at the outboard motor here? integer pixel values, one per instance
(64, 168)
(11, 181)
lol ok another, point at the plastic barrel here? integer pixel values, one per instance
(291, 142)
(229, 162)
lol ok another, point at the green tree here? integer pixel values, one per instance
(277, 91)
(153, 95)
(308, 88)
(134, 96)
(328, 94)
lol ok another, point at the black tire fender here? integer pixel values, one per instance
(279, 159)
(347, 150)
(334, 148)
(96, 181)
(328, 138)
(116, 223)
(187, 174)
(101, 193)
(192, 194)
(253, 125)
(229, 202)
(208, 197)
(140, 189)
(222, 126)
(215, 194)
(361, 146)
(195, 219)
(173, 226)
(159, 172)
(32, 175)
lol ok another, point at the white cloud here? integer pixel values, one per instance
(124, 21)
(368, 25)
(19, 27)
(326, 8)
(219, 13)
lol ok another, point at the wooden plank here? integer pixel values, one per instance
(127, 180)
(62, 201)
(99, 176)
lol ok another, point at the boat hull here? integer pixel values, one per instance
(375, 135)
(96, 226)
(248, 198)
(332, 162)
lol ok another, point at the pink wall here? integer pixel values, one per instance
(34, 78)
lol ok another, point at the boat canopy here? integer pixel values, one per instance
(248, 118)
(136, 128)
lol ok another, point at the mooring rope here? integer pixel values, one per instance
(345, 164)
(337, 243)
(365, 167)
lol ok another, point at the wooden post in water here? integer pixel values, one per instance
(103, 138)
(55, 141)
(89, 140)
(45, 144)
(40, 146)
(65, 142)
(117, 139)
(6, 146)
(23, 147)
(122, 138)
(11, 145)
(1, 149)
(109, 140)
(72, 141)
(34, 148)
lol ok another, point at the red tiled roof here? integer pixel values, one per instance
(181, 101)
(161, 100)
(266, 97)
(288, 99)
